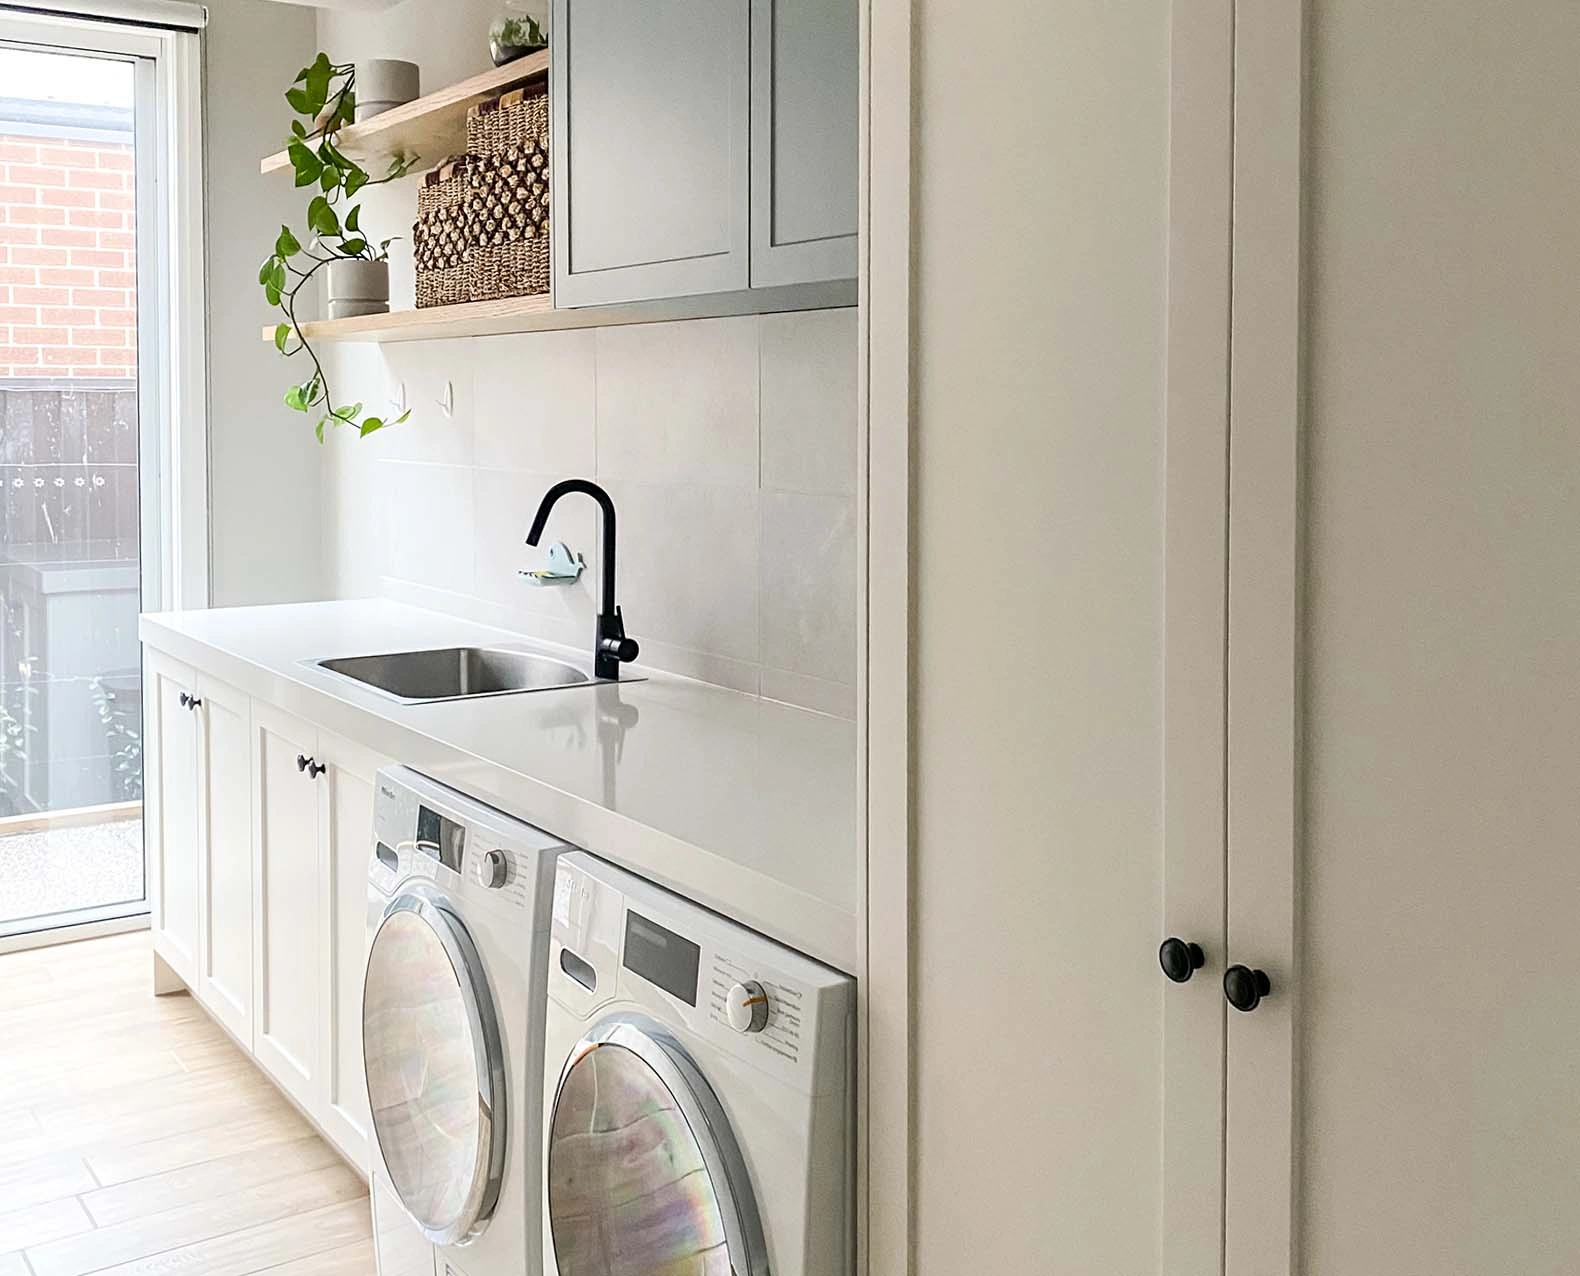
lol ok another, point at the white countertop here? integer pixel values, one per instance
(745, 805)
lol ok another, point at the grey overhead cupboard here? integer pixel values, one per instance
(702, 146)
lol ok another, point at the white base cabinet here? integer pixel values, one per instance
(258, 833)
(170, 813)
(225, 889)
(286, 922)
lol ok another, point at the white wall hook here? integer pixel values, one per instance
(398, 399)
(446, 401)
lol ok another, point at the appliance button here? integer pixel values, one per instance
(493, 870)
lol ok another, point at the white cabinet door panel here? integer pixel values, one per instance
(347, 815)
(172, 814)
(805, 91)
(651, 138)
(289, 900)
(225, 789)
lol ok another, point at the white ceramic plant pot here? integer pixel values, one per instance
(358, 288)
(383, 83)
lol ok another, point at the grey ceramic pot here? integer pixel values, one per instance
(358, 287)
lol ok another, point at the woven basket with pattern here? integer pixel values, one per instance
(440, 238)
(507, 208)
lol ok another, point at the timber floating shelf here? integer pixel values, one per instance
(432, 128)
(538, 314)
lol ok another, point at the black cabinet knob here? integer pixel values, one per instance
(309, 767)
(1245, 987)
(1180, 960)
(189, 702)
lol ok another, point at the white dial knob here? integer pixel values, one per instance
(494, 869)
(747, 1006)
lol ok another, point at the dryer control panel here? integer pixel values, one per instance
(424, 829)
(620, 938)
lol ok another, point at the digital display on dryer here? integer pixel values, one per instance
(662, 957)
(440, 839)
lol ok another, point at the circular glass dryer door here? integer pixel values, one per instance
(435, 1071)
(645, 1177)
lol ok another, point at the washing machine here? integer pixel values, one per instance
(452, 1022)
(697, 1091)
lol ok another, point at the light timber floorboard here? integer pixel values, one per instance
(136, 1139)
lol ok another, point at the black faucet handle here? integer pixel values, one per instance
(622, 649)
(612, 642)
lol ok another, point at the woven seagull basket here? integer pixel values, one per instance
(439, 239)
(507, 208)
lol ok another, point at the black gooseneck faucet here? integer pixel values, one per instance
(611, 647)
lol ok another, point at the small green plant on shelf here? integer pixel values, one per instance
(324, 95)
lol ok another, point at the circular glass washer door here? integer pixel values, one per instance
(435, 1069)
(645, 1177)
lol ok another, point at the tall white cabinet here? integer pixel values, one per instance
(1398, 511)
(258, 834)
(1316, 711)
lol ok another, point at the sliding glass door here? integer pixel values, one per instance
(84, 445)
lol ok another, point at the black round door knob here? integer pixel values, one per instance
(1180, 960)
(1245, 987)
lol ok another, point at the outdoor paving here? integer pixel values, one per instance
(59, 870)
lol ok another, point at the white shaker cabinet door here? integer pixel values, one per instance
(347, 837)
(651, 133)
(225, 842)
(1404, 643)
(287, 962)
(805, 94)
(171, 818)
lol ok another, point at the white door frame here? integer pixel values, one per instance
(173, 387)
(885, 1137)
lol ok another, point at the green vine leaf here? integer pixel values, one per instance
(354, 216)
(353, 247)
(287, 245)
(282, 334)
(321, 217)
(307, 165)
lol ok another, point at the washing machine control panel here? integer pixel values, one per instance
(620, 939)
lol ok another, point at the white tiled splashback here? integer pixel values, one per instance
(728, 445)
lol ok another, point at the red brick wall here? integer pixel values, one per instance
(68, 299)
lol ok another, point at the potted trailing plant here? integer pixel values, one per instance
(515, 35)
(324, 96)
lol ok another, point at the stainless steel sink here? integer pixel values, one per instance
(456, 673)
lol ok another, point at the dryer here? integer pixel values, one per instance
(452, 1021)
(697, 1091)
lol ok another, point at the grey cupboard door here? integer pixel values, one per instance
(805, 91)
(651, 134)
